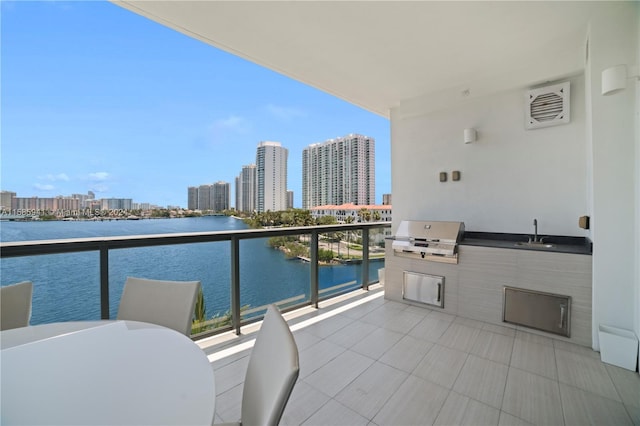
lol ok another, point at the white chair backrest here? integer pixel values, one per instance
(15, 305)
(272, 372)
(166, 303)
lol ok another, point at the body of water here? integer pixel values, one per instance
(67, 286)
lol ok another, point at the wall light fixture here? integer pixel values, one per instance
(470, 135)
(614, 79)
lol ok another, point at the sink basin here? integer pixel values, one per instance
(536, 244)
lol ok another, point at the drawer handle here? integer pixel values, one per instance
(439, 292)
(562, 316)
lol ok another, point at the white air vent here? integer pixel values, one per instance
(547, 106)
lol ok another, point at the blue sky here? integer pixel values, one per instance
(94, 97)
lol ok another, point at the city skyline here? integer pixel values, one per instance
(125, 107)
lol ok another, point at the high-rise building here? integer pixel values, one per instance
(205, 194)
(238, 203)
(220, 196)
(85, 199)
(386, 199)
(246, 189)
(339, 171)
(289, 200)
(5, 199)
(192, 198)
(271, 173)
(116, 203)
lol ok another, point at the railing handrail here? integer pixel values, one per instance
(70, 245)
(104, 244)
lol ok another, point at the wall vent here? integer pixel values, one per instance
(547, 106)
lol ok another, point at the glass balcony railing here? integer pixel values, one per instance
(241, 271)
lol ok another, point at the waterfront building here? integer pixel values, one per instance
(192, 198)
(205, 193)
(84, 198)
(220, 196)
(339, 171)
(289, 200)
(93, 205)
(246, 189)
(142, 206)
(236, 192)
(271, 174)
(343, 212)
(209, 196)
(47, 205)
(116, 204)
(386, 199)
(5, 199)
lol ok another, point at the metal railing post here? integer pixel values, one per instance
(313, 263)
(235, 284)
(365, 258)
(104, 282)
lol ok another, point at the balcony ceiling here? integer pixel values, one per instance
(376, 54)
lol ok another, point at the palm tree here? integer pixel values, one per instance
(364, 214)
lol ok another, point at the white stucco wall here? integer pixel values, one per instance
(512, 175)
(637, 219)
(614, 142)
(509, 176)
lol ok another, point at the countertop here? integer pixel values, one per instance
(561, 244)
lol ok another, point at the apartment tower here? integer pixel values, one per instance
(271, 176)
(220, 196)
(192, 198)
(246, 189)
(339, 171)
(205, 195)
(289, 200)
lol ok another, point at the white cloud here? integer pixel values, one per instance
(99, 176)
(54, 178)
(43, 187)
(233, 123)
(285, 113)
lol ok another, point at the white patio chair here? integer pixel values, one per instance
(15, 305)
(166, 303)
(272, 373)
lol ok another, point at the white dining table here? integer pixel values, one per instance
(104, 372)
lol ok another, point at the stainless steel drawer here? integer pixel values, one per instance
(423, 288)
(541, 311)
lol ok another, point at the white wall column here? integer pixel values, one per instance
(611, 131)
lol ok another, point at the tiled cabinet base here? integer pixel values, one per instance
(474, 287)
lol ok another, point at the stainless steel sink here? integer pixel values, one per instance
(535, 244)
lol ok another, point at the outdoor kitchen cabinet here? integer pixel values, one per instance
(485, 272)
(395, 267)
(474, 288)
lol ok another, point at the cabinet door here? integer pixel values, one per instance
(542, 311)
(423, 288)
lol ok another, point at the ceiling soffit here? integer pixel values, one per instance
(379, 54)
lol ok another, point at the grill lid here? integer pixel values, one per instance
(430, 231)
(429, 239)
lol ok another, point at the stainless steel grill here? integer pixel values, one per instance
(430, 240)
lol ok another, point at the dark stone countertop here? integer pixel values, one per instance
(561, 244)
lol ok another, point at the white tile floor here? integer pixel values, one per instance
(386, 363)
